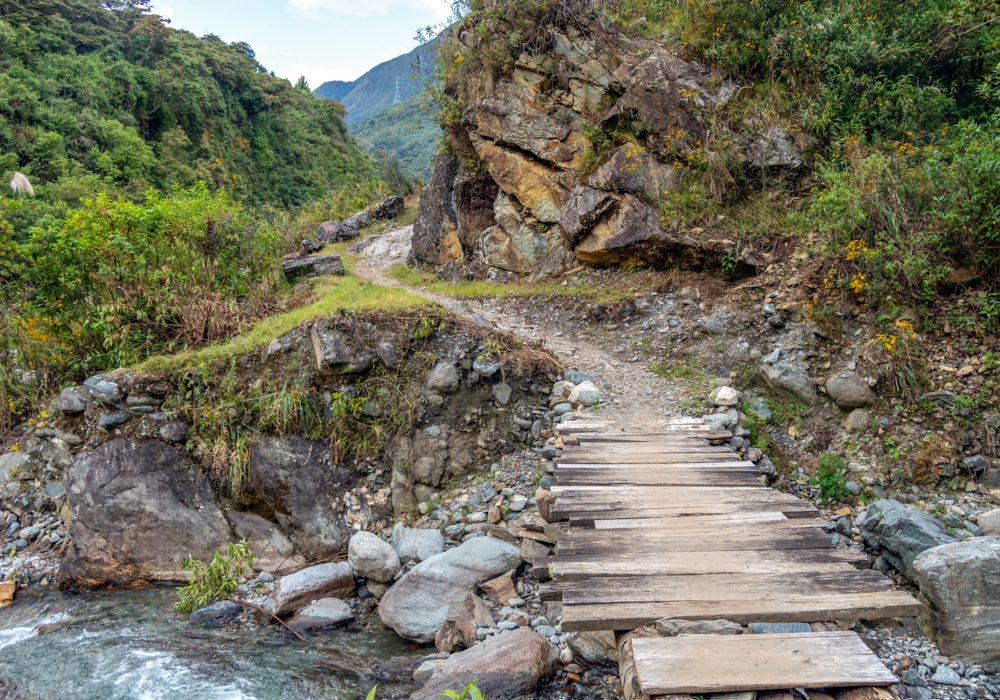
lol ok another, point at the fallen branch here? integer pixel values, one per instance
(268, 612)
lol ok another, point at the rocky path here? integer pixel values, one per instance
(639, 399)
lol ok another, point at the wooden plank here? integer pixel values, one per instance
(648, 448)
(716, 542)
(585, 517)
(698, 526)
(661, 458)
(672, 477)
(717, 664)
(728, 465)
(592, 438)
(692, 520)
(844, 606)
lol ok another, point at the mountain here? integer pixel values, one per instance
(376, 89)
(404, 131)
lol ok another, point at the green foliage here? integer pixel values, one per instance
(469, 692)
(757, 427)
(405, 132)
(829, 476)
(217, 580)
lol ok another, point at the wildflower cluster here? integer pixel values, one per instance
(858, 284)
(857, 248)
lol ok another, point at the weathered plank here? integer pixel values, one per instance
(703, 527)
(717, 541)
(648, 448)
(693, 457)
(586, 516)
(706, 434)
(688, 520)
(667, 477)
(717, 664)
(842, 606)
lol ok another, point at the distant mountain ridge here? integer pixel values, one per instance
(375, 90)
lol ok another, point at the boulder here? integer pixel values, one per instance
(902, 533)
(107, 392)
(586, 394)
(334, 580)
(273, 549)
(390, 208)
(295, 478)
(71, 400)
(791, 379)
(507, 665)
(387, 355)
(631, 234)
(417, 605)
(372, 557)
(389, 248)
(337, 351)
(501, 392)
(298, 267)
(961, 581)
(215, 614)
(772, 149)
(857, 421)
(989, 522)
(634, 169)
(442, 378)
(334, 231)
(500, 589)
(850, 392)
(358, 221)
(595, 647)
(583, 210)
(140, 508)
(321, 614)
(310, 246)
(464, 617)
(412, 544)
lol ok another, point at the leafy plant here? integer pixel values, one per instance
(470, 692)
(217, 580)
(830, 477)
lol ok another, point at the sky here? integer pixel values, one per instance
(320, 39)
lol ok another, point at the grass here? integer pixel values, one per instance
(332, 294)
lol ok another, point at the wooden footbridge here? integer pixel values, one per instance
(666, 525)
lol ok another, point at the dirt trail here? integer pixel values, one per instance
(639, 399)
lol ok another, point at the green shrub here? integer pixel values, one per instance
(829, 476)
(217, 580)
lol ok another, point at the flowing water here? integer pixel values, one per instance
(132, 645)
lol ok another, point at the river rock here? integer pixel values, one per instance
(501, 392)
(416, 606)
(412, 544)
(295, 478)
(321, 614)
(390, 208)
(443, 378)
(464, 617)
(792, 380)
(507, 665)
(500, 589)
(273, 548)
(371, 557)
(215, 614)
(333, 580)
(140, 508)
(902, 532)
(70, 400)
(298, 267)
(337, 351)
(586, 394)
(850, 392)
(386, 354)
(595, 647)
(961, 581)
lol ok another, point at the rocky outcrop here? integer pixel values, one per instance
(273, 548)
(338, 351)
(633, 169)
(295, 478)
(508, 665)
(630, 234)
(902, 533)
(417, 605)
(961, 581)
(140, 509)
(584, 208)
(428, 458)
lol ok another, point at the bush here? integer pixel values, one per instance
(217, 580)
(829, 476)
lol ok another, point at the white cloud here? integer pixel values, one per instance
(164, 11)
(362, 8)
(317, 75)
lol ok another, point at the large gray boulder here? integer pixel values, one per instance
(334, 231)
(902, 533)
(413, 544)
(417, 605)
(140, 508)
(850, 392)
(320, 614)
(791, 379)
(372, 557)
(333, 580)
(507, 665)
(961, 581)
(295, 477)
(298, 267)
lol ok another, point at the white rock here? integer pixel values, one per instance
(412, 544)
(725, 396)
(372, 557)
(517, 503)
(586, 394)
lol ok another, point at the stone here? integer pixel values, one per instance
(296, 267)
(140, 509)
(107, 392)
(7, 591)
(779, 627)
(294, 477)
(772, 149)
(975, 463)
(857, 421)
(358, 221)
(174, 431)
(506, 665)
(390, 248)
(416, 606)
(791, 379)
(942, 399)
(946, 676)
(849, 392)
(273, 548)
(864, 694)
(332, 580)
(561, 408)
(386, 353)
(321, 614)
(215, 614)
(334, 232)
(442, 378)
(10, 463)
(533, 549)
(725, 396)
(412, 544)
(390, 208)
(630, 234)
(338, 351)
(586, 394)
(595, 647)
(501, 392)
(500, 589)
(773, 357)
(989, 522)
(372, 557)
(424, 671)
(960, 582)
(70, 400)
(310, 246)
(905, 532)
(676, 628)
(529, 243)
(486, 368)
(517, 503)
(634, 169)
(464, 617)
(113, 420)
(584, 208)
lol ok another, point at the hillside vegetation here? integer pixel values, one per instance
(406, 132)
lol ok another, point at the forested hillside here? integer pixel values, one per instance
(104, 96)
(406, 131)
